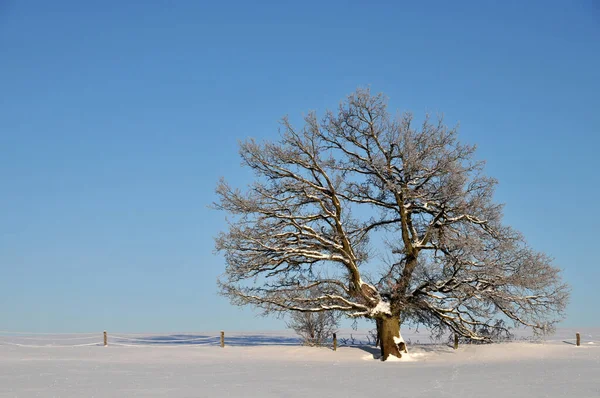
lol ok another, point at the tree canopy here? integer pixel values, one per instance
(361, 190)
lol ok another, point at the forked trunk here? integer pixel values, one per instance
(390, 338)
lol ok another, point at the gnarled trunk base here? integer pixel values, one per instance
(390, 339)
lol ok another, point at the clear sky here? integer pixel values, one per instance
(117, 119)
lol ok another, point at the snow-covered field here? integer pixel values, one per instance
(274, 365)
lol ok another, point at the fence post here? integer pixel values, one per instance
(578, 339)
(105, 339)
(222, 339)
(456, 341)
(334, 342)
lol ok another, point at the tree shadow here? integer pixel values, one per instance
(427, 348)
(436, 348)
(207, 340)
(375, 351)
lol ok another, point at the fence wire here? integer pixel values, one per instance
(62, 340)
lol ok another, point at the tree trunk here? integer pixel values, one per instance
(391, 340)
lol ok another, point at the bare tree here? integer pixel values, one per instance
(314, 328)
(359, 189)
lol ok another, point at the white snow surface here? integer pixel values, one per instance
(274, 365)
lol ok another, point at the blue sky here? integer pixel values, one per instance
(117, 120)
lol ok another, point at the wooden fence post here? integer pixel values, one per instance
(334, 342)
(105, 339)
(222, 339)
(578, 336)
(456, 341)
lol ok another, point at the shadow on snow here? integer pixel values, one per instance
(206, 340)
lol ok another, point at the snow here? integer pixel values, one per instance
(382, 308)
(274, 365)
